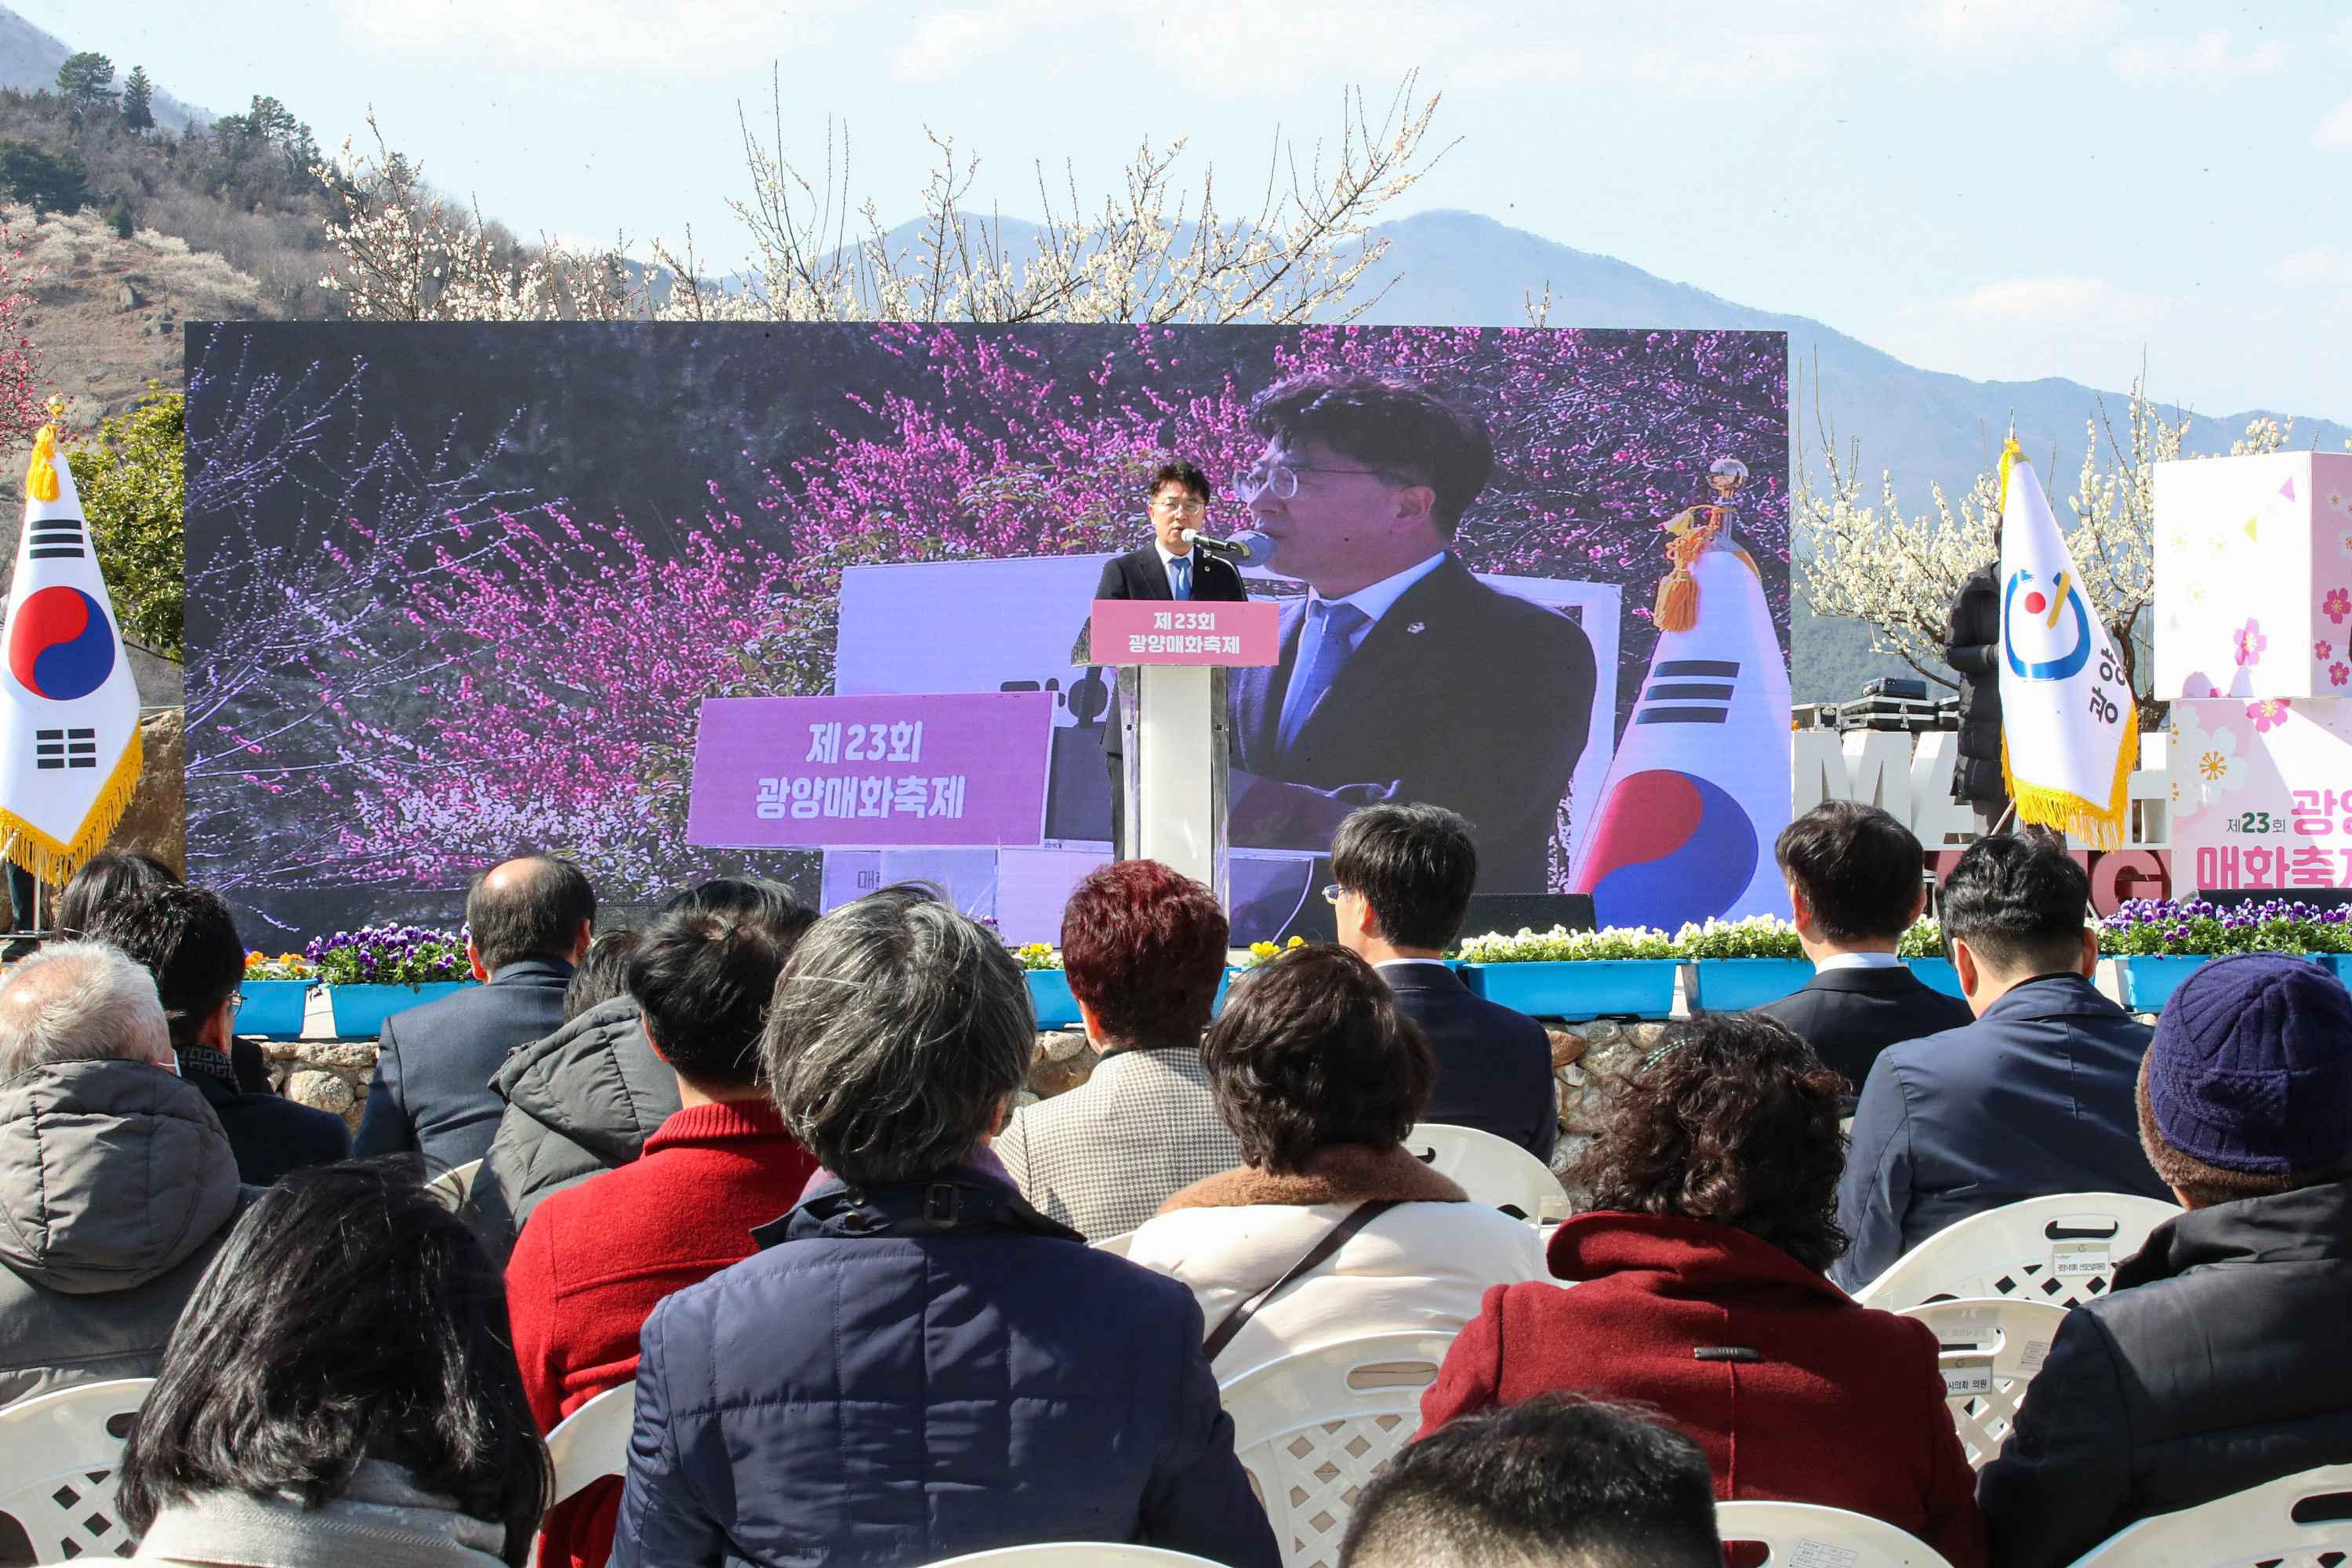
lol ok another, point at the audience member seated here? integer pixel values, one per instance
(585, 1099)
(595, 1258)
(116, 1185)
(1698, 1291)
(111, 874)
(1403, 875)
(2033, 1098)
(920, 1364)
(340, 1392)
(1854, 883)
(1145, 952)
(108, 875)
(530, 921)
(187, 940)
(2217, 1360)
(604, 972)
(1549, 1483)
(1320, 1077)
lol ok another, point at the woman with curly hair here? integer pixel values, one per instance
(1697, 1286)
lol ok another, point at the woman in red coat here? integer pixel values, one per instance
(1696, 1287)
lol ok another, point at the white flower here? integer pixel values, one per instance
(2205, 762)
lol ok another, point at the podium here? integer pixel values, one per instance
(1173, 658)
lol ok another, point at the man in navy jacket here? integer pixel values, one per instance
(1403, 875)
(2035, 1098)
(529, 922)
(1854, 884)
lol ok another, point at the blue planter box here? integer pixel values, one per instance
(360, 1010)
(1937, 974)
(1049, 994)
(1642, 987)
(272, 1008)
(2147, 983)
(1735, 984)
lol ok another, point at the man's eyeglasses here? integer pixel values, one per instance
(1332, 893)
(1181, 506)
(1280, 480)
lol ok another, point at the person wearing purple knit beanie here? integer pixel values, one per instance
(2217, 1361)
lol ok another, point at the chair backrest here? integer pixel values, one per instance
(60, 1458)
(1074, 1554)
(593, 1441)
(1807, 1535)
(1313, 1428)
(452, 1185)
(1494, 1171)
(1990, 1348)
(1117, 1244)
(2063, 1250)
(2303, 1520)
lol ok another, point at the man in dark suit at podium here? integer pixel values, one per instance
(1853, 875)
(1403, 677)
(1167, 568)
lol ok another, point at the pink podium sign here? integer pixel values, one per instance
(871, 772)
(1161, 631)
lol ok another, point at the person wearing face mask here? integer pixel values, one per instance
(117, 1185)
(1402, 676)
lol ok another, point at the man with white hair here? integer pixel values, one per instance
(116, 1181)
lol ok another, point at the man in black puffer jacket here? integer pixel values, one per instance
(2217, 1361)
(1972, 646)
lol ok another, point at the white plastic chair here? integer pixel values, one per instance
(1313, 1428)
(2302, 1520)
(1073, 1554)
(1494, 1171)
(1117, 1244)
(2063, 1250)
(593, 1441)
(1989, 1349)
(1808, 1535)
(452, 1185)
(60, 1455)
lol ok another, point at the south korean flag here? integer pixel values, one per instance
(69, 756)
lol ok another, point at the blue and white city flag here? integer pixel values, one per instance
(2069, 731)
(69, 756)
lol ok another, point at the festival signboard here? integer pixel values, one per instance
(869, 772)
(2254, 576)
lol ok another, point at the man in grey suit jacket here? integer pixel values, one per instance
(530, 921)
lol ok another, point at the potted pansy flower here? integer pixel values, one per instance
(273, 993)
(376, 970)
(1620, 971)
(2154, 944)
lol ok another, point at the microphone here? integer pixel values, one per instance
(1251, 549)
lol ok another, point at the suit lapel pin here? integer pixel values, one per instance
(1418, 626)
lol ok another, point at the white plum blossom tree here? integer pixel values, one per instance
(1898, 571)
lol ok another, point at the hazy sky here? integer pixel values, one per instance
(2003, 188)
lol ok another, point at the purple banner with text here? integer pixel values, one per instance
(871, 772)
(1158, 631)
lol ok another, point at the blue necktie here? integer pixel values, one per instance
(1180, 576)
(1324, 646)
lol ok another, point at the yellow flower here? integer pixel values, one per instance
(256, 959)
(1262, 950)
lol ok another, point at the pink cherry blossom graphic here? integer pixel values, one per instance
(2337, 605)
(2268, 715)
(2251, 642)
(2338, 673)
(2323, 648)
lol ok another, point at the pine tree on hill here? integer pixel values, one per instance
(87, 78)
(138, 101)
